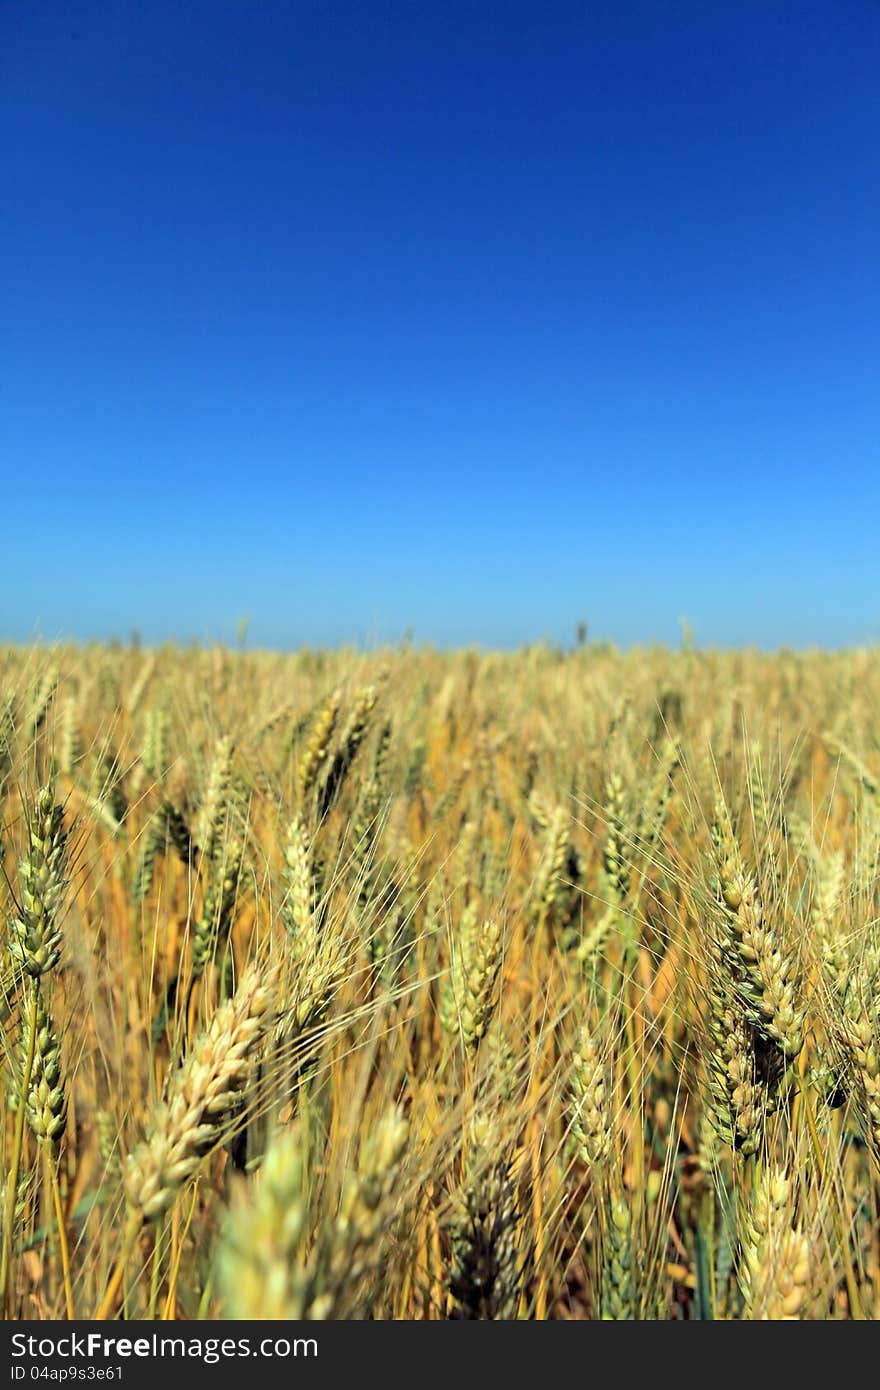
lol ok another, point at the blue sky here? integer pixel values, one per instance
(474, 319)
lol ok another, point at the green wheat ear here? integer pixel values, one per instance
(46, 1100)
(263, 1257)
(275, 1263)
(615, 855)
(215, 920)
(591, 1122)
(301, 898)
(487, 1272)
(618, 1294)
(468, 1001)
(35, 933)
(213, 812)
(776, 1264)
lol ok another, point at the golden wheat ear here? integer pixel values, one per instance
(201, 1098)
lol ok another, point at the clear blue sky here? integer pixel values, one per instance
(472, 318)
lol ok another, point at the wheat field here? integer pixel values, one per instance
(421, 985)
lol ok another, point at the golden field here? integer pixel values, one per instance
(440, 985)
